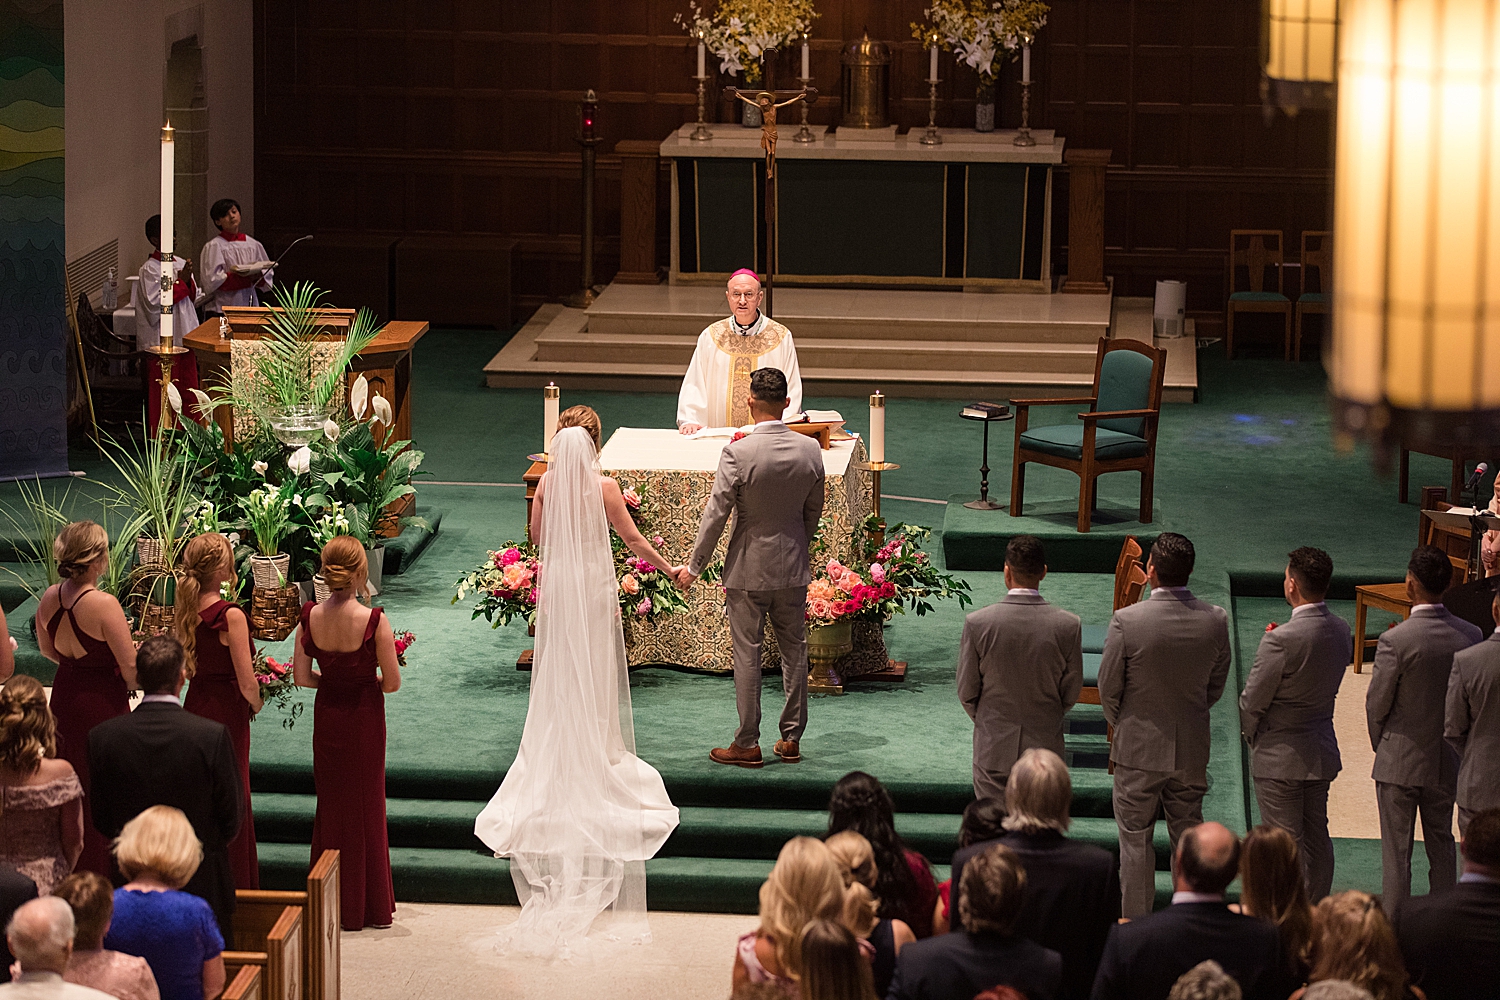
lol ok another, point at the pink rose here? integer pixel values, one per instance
(510, 556)
(658, 541)
(819, 607)
(834, 568)
(632, 498)
(531, 596)
(877, 572)
(644, 607)
(630, 585)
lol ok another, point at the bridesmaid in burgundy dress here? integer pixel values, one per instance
(84, 631)
(215, 634)
(356, 667)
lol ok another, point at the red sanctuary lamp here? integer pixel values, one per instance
(588, 119)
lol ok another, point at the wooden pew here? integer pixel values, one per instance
(320, 925)
(270, 936)
(245, 985)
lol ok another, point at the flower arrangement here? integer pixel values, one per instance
(404, 641)
(741, 31)
(897, 575)
(277, 687)
(844, 594)
(332, 524)
(506, 585)
(268, 515)
(982, 33)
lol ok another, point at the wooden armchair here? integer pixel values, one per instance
(1117, 434)
(105, 353)
(1254, 253)
(1316, 292)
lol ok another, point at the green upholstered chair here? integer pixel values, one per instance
(1117, 434)
(1255, 254)
(1316, 294)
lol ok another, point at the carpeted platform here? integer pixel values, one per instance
(976, 539)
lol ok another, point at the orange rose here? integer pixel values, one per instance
(630, 584)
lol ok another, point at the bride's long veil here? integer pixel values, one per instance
(578, 813)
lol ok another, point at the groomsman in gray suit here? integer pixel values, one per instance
(1473, 724)
(772, 481)
(1020, 667)
(1286, 715)
(1165, 663)
(1415, 770)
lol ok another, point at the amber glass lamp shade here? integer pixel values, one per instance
(1299, 53)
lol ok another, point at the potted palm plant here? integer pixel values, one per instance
(158, 488)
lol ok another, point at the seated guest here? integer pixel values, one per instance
(833, 967)
(1272, 888)
(983, 819)
(988, 952)
(1451, 940)
(1353, 941)
(127, 977)
(904, 886)
(804, 886)
(162, 755)
(40, 935)
(1020, 668)
(856, 863)
(1143, 958)
(1072, 889)
(15, 889)
(1205, 981)
(174, 931)
(1332, 989)
(41, 799)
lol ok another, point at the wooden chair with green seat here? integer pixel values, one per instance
(1316, 292)
(1117, 434)
(1130, 555)
(1252, 252)
(1088, 694)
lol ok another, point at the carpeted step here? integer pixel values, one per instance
(403, 550)
(29, 658)
(14, 577)
(976, 539)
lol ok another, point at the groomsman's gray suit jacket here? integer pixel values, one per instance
(1286, 709)
(1165, 663)
(1404, 704)
(1473, 726)
(1020, 667)
(772, 481)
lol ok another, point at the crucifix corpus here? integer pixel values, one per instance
(766, 101)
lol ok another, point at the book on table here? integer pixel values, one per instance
(985, 411)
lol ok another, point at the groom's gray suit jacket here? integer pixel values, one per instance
(772, 481)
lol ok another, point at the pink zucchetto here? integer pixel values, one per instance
(745, 271)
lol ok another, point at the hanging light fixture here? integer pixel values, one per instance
(1298, 53)
(1415, 353)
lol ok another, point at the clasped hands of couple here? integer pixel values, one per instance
(681, 576)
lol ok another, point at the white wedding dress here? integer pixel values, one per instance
(578, 813)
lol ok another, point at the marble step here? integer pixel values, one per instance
(834, 354)
(868, 328)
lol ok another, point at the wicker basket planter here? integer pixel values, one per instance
(274, 612)
(156, 619)
(270, 571)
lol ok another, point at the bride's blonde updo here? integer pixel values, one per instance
(28, 730)
(344, 563)
(77, 547)
(585, 417)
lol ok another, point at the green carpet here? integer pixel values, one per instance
(1248, 473)
(976, 539)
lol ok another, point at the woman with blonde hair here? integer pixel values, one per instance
(1273, 889)
(355, 653)
(579, 813)
(41, 799)
(215, 637)
(833, 966)
(174, 931)
(83, 630)
(805, 885)
(856, 860)
(1353, 941)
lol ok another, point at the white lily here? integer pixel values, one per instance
(331, 429)
(174, 397)
(357, 397)
(300, 460)
(380, 410)
(205, 405)
(259, 468)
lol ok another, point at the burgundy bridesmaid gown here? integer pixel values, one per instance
(349, 773)
(85, 692)
(214, 693)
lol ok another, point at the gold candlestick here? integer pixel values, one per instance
(701, 132)
(1023, 134)
(931, 137)
(804, 134)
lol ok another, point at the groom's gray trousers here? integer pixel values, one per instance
(748, 611)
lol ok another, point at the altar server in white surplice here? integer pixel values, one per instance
(227, 249)
(716, 389)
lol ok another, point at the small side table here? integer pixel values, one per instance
(1385, 596)
(984, 502)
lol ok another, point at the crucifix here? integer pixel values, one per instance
(766, 101)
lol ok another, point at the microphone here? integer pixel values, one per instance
(1476, 476)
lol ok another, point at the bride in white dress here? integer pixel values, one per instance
(578, 813)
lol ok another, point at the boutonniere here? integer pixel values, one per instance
(1270, 626)
(737, 435)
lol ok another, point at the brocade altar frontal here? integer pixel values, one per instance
(676, 476)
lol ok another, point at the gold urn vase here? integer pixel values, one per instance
(825, 645)
(866, 84)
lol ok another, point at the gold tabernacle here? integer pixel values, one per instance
(867, 84)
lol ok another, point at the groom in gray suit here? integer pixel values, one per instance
(1020, 668)
(772, 480)
(1286, 715)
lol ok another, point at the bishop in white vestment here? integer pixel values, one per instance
(716, 389)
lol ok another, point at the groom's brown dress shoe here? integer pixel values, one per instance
(788, 751)
(740, 756)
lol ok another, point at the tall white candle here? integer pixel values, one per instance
(168, 179)
(932, 65)
(806, 72)
(1026, 64)
(550, 402)
(877, 428)
(702, 54)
